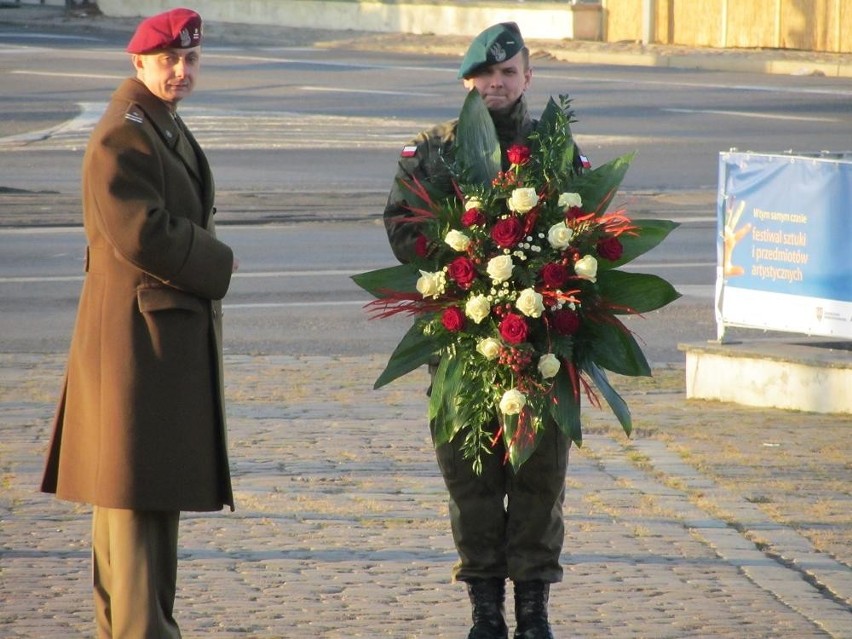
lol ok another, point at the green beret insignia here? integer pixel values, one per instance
(496, 44)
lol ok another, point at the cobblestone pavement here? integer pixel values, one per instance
(714, 520)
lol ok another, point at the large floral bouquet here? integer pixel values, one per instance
(515, 288)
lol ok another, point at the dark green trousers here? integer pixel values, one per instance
(507, 524)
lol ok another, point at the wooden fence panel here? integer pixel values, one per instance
(811, 25)
(698, 22)
(751, 24)
(622, 20)
(816, 25)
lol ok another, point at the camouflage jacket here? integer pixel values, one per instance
(425, 158)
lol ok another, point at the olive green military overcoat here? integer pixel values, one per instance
(141, 423)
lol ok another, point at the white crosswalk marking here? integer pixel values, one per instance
(219, 129)
(297, 131)
(228, 129)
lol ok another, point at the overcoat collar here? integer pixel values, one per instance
(167, 128)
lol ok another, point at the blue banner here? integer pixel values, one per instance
(784, 248)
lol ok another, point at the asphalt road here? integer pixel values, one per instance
(303, 143)
(307, 119)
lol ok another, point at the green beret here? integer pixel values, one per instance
(496, 44)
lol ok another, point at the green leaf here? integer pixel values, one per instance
(635, 292)
(614, 348)
(598, 186)
(477, 146)
(436, 389)
(565, 407)
(401, 278)
(554, 127)
(413, 351)
(550, 117)
(519, 437)
(548, 124)
(443, 406)
(615, 401)
(649, 233)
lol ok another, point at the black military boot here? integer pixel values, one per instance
(488, 596)
(531, 610)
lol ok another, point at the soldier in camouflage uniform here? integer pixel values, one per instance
(505, 524)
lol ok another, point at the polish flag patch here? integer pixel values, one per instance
(408, 151)
(585, 162)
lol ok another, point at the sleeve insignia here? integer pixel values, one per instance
(408, 151)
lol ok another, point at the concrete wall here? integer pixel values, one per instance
(542, 20)
(773, 374)
(811, 25)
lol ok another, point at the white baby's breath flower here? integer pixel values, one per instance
(500, 268)
(457, 240)
(489, 348)
(522, 200)
(548, 365)
(512, 402)
(560, 235)
(477, 308)
(431, 284)
(529, 303)
(587, 268)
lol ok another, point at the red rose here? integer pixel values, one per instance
(610, 248)
(453, 319)
(507, 232)
(554, 275)
(421, 246)
(462, 271)
(513, 328)
(566, 321)
(518, 154)
(471, 217)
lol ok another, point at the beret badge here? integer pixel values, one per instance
(495, 45)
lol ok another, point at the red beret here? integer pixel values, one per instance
(175, 29)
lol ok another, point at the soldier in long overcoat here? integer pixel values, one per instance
(140, 428)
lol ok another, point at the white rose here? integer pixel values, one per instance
(567, 200)
(529, 303)
(472, 203)
(489, 348)
(548, 365)
(522, 200)
(512, 402)
(587, 268)
(560, 235)
(500, 268)
(431, 284)
(477, 308)
(457, 240)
